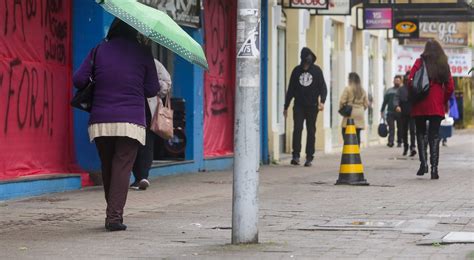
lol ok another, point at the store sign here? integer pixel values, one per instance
(337, 7)
(309, 4)
(459, 59)
(406, 29)
(447, 33)
(377, 18)
(183, 12)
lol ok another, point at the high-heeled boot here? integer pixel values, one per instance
(434, 157)
(423, 154)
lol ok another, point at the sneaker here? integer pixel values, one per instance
(295, 161)
(412, 153)
(134, 186)
(143, 184)
(115, 227)
(390, 145)
(308, 163)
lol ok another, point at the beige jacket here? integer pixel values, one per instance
(359, 105)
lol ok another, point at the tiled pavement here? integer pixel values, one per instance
(189, 216)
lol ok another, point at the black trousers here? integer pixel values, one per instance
(117, 155)
(357, 132)
(393, 120)
(408, 124)
(432, 130)
(142, 165)
(300, 115)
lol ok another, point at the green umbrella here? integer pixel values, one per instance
(157, 26)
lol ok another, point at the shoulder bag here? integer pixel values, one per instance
(346, 109)
(162, 121)
(83, 98)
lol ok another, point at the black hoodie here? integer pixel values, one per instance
(306, 85)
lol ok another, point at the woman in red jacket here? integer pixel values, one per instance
(431, 108)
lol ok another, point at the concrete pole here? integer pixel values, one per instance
(247, 125)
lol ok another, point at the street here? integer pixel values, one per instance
(303, 215)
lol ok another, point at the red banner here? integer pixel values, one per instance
(219, 82)
(35, 88)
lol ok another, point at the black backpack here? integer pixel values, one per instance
(420, 83)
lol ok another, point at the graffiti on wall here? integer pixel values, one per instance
(35, 87)
(219, 25)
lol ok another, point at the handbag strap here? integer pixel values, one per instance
(168, 101)
(94, 54)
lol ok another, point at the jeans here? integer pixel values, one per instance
(408, 124)
(393, 118)
(300, 115)
(144, 159)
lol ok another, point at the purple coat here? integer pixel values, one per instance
(125, 74)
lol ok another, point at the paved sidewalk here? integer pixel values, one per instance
(189, 216)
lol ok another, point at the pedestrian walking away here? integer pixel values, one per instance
(453, 113)
(125, 75)
(407, 123)
(356, 97)
(144, 160)
(431, 108)
(308, 88)
(393, 117)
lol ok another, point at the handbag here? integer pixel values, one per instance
(83, 98)
(162, 121)
(421, 83)
(346, 109)
(383, 129)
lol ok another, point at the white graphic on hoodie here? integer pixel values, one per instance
(306, 79)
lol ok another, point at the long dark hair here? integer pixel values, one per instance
(436, 62)
(121, 29)
(354, 80)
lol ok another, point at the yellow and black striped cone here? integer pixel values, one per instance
(352, 170)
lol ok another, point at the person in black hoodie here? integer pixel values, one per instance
(308, 88)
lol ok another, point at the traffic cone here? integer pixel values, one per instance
(352, 170)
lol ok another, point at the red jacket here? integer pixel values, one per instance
(435, 103)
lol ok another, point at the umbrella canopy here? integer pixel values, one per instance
(157, 26)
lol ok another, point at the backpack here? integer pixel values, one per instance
(421, 83)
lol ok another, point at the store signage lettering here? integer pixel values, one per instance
(337, 7)
(447, 33)
(459, 59)
(184, 12)
(309, 4)
(406, 29)
(378, 18)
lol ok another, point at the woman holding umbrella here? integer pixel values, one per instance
(125, 75)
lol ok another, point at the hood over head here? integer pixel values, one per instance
(305, 52)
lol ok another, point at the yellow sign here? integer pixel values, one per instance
(406, 27)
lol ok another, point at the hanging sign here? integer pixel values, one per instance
(459, 59)
(406, 29)
(337, 7)
(447, 33)
(378, 18)
(309, 4)
(183, 12)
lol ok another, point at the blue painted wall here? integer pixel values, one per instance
(90, 23)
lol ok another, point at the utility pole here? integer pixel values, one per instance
(247, 125)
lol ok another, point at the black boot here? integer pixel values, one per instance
(422, 153)
(434, 157)
(405, 150)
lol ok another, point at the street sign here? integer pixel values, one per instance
(406, 29)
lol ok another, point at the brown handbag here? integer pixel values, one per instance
(162, 122)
